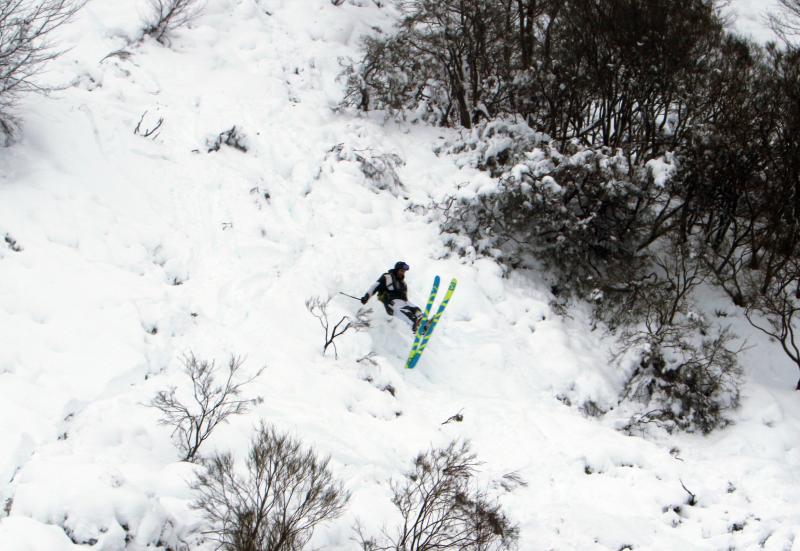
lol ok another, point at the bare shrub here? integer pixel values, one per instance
(211, 402)
(12, 243)
(776, 314)
(151, 132)
(662, 294)
(25, 48)
(319, 309)
(169, 15)
(275, 504)
(232, 137)
(442, 507)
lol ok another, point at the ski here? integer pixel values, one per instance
(424, 323)
(419, 347)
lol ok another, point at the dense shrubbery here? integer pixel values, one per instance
(640, 150)
(494, 145)
(579, 213)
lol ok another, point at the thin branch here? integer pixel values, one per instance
(211, 405)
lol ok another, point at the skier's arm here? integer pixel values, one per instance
(375, 287)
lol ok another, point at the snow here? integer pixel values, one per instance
(138, 250)
(661, 170)
(750, 18)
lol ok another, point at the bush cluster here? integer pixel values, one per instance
(282, 491)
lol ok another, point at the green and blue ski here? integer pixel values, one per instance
(422, 338)
(423, 325)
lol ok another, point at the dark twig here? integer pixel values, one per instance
(319, 309)
(150, 131)
(692, 497)
(458, 417)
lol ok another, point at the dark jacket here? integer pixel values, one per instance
(389, 287)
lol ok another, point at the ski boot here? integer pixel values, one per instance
(420, 322)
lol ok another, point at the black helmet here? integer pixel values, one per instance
(400, 265)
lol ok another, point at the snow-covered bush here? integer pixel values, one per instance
(494, 145)
(168, 15)
(209, 404)
(275, 503)
(379, 169)
(687, 378)
(443, 508)
(588, 215)
(26, 28)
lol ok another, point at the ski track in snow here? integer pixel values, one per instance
(136, 251)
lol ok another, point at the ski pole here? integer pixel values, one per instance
(351, 296)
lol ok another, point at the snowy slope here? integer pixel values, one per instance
(135, 251)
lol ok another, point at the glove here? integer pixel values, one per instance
(364, 299)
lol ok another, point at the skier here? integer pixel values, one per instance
(392, 291)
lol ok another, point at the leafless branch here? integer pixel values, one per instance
(284, 494)
(780, 309)
(442, 508)
(786, 21)
(458, 417)
(692, 497)
(211, 402)
(319, 309)
(169, 15)
(368, 359)
(26, 28)
(148, 132)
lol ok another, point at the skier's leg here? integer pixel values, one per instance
(409, 313)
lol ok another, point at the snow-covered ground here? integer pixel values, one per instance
(749, 18)
(135, 251)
